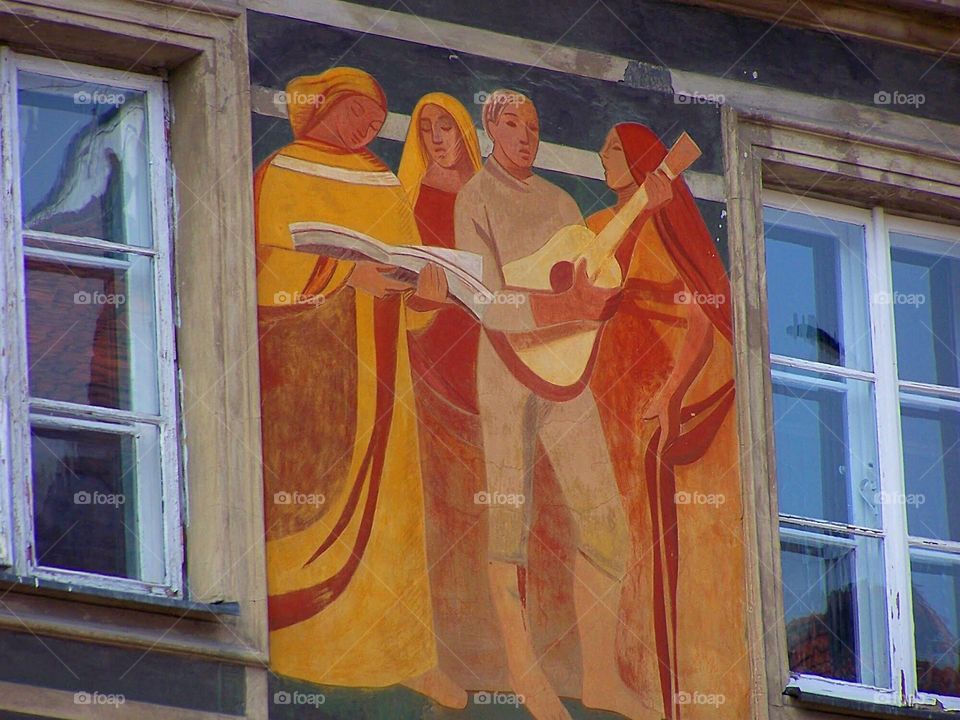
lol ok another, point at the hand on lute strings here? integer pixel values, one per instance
(575, 297)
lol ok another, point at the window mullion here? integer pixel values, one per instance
(894, 515)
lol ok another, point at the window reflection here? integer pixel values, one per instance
(83, 159)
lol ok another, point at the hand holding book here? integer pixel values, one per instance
(432, 288)
(374, 278)
(436, 272)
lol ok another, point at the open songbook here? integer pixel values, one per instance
(464, 270)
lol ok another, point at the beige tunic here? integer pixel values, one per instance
(505, 219)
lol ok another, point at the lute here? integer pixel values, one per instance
(562, 359)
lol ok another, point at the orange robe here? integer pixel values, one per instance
(638, 349)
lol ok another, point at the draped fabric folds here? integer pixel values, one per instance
(349, 598)
(679, 545)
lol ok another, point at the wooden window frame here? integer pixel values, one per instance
(163, 517)
(897, 542)
(198, 49)
(890, 161)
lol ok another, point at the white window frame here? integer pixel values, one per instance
(879, 224)
(17, 410)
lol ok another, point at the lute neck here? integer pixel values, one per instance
(604, 247)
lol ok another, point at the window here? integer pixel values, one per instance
(90, 487)
(864, 328)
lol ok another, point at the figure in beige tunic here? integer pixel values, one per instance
(506, 213)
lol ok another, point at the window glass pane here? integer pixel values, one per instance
(936, 618)
(816, 289)
(926, 302)
(931, 464)
(85, 501)
(826, 447)
(84, 159)
(91, 330)
(835, 606)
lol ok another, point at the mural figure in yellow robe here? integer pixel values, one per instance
(349, 594)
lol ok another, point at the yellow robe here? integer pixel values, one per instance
(319, 380)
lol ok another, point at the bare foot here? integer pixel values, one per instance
(439, 686)
(539, 697)
(616, 697)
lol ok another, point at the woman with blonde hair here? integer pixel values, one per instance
(440, 154)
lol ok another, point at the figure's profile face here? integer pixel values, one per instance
(616, 168)
(440, 136)
(354, 121)
(516, 133)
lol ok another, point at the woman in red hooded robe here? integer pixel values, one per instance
(664, 383)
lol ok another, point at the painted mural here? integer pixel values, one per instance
(499, 438)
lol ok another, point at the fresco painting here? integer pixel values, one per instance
(535, 493)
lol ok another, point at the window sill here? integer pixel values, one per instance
(180, 607)
(859, 708)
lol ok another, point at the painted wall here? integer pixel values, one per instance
(684, 539)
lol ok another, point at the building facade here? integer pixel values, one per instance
(248, 470)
